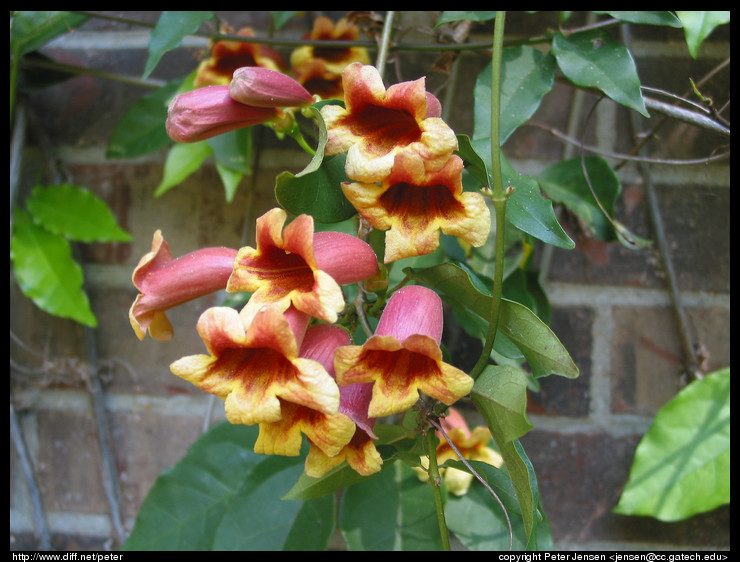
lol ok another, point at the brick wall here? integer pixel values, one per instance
(612, 307)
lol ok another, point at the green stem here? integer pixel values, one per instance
(436, 481)
(499, 194)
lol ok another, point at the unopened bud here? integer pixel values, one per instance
(206, 112)
(263, 87)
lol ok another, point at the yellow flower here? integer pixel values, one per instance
(319, 68)
(254, 365)
(471, 445)
(377, 124)
(413, 205)
(294, 265)
(403, 358)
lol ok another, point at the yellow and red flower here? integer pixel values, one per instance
(228, 54)
(413, 205)
(254, 365)
(319, 68)
(377, 123)
(404, 357)
(165, 282)
(295, 265)
(359, 452)
(472, 445)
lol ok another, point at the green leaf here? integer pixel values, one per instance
(31, 30)
(594, 59)
(502, 392)
(223, 496)
(46, 271)
(281, 18)
(527, 76)
(171, 27)
(682, 464)
(182, 160)
(646, 17)
(526, 208)
(478, 521)
(391, 511)
(142, 129)
(566, 183)
(543, 350)
(698, 25)
(317, 193)
(76, 213)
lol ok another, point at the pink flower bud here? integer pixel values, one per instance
(412, 310)
(263, 87)
(206, 112)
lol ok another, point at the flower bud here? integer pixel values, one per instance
(206, 112)
(263, 87)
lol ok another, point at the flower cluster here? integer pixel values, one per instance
(283, 361)
(404, 177)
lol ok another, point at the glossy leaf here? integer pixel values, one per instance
(698, 25)
(75, 213)
(142, 129)
(528, 76)
(469, 15)
(392, 511)
(594, 59)
(317, 193)
(478, 521)
(169, 31)
(501, 391)
(223, 496)
(646, 17)
(526, 208)
(682, 464)
(543, 350)
(46, 271)
(31, 30)
(566, 183)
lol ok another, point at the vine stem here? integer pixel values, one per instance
(498, 194)
(436, 480)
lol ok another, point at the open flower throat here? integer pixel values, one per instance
(284, 360)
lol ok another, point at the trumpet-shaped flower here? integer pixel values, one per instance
(295, 265)
(359, 452)
(413, 205)
(228, 54)
(254, 365)
(403, 358)
(329, 432)
(472, 445)
(165, 282)
(377, 123)
(319, 68)
(209, 111)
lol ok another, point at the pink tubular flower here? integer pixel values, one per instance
(262, 87)
(413, 205)
(377, 124)
(472, 445)
(295, 265)
(209, 111)
(359, 451)
(255, 367)
(165, 282)
(403, 357)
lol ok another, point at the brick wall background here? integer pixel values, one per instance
(612, 307)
